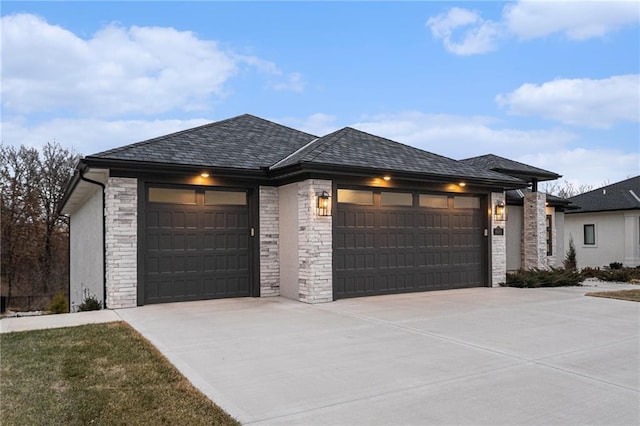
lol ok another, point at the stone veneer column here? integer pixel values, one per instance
(269, 242)
(315, 276)
(498, 244)
(121, 240)
(534, 244)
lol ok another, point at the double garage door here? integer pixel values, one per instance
(393, 242)
(196, 244)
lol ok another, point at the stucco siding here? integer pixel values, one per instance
(609, 237)
(289, 241)
(514, 229)
(86, 251)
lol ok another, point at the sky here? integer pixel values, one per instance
(551, 84)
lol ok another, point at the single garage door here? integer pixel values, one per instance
(196, 244)
(393, 242)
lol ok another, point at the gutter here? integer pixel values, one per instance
(104, 238)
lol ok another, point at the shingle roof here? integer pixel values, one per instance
(624, 195)
(505, 165)
(516, 196)
(354, 148)
(242, 142)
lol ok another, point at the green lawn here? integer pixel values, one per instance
(95, 374)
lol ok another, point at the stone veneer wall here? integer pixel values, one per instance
(121, 239)
(315, 276)
(534, 244)
(498, 244)
(269, 241)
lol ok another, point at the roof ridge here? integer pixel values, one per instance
(275, 165)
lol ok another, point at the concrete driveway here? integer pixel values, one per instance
(476, 356)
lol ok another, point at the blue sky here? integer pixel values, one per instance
(552, 84)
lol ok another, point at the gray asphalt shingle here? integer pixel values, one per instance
(351, 147)
(497, 163)
(243, 142)
(618, 196)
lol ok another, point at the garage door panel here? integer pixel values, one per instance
(196, 252)
(408, 248)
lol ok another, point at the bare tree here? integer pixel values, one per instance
(32, 237)
(566, 189)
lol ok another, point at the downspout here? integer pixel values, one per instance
(104, 238)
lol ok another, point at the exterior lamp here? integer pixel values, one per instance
(323, 204)
(499, 211)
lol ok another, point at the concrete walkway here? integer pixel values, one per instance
(8, 325)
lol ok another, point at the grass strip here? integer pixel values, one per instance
(631, 295)
(96, 374)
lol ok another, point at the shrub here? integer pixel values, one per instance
(90, 304)
(534, 278)
(59, 304)
(589, 272)
(571, 261)
(615, 265)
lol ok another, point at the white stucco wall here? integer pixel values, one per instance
(514, 229)
(289, 241)
(614, 232)
(86, 251)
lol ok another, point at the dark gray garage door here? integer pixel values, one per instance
(196, 244)
(392, 242)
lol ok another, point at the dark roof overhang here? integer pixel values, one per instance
(330, 171)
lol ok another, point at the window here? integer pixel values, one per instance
(172, 196)
(590, 234)
(353, 196)
(549, 236)
(396, 199)
(225, 198)
(466, 202)
(434, 201)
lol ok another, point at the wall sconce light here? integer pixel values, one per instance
(499, 211)
(323, 204)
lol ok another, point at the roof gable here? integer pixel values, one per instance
(354, 148)
(623, 195)
(242, 142)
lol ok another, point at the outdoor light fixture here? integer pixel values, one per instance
(499, 211)
(462, 184)
(323, 204)
(387, 178)
(204, 174)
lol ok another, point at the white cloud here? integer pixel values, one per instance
(318, 124)
(479, 36)
(461, 136)
(115, 72)
(582, 166)
(594, 103)
(577, 20)
(293, 83)
(89, 136)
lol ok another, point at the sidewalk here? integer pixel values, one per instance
(8, 325)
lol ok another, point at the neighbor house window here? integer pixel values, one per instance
(549, 236)
(590, 234)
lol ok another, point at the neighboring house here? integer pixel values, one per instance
(247, 207)
(605, 227)
(550, 234)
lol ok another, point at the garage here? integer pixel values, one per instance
(394, 242)
(196, 244)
